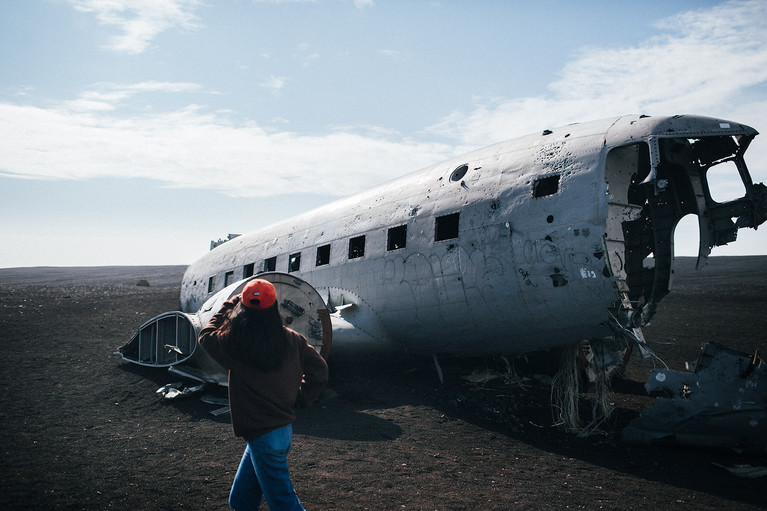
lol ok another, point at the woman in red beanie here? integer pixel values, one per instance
(272, 371)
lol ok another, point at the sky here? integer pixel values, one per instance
(134, 132)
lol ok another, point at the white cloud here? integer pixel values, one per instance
(703, 65)
(305, 54)
(160, 87)
(193, 149)
(359, 4)
(284, 1)
(274, 84)
(108, 96)
(707, 58)
(139, 21)
(389, 53)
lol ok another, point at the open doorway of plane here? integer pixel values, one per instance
(629, 238)
(654, 183)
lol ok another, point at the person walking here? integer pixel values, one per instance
(272, 371)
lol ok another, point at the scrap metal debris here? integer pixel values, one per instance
(744, 470)
(216, 400)
(722, 403)
(177, 390)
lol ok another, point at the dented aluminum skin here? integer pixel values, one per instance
(538, 242)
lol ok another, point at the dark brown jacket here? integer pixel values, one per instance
(264, 401)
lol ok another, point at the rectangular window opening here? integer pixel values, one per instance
(396, 238)
(544, 186)
(248, 270)
(270, 264)
(294, 262)
(446, 227)
(228, 278)
(357, 247)
(211, 284)
(323, 255)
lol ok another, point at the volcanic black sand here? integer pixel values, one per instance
(82, 429)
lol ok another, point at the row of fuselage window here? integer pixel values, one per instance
(445, 228)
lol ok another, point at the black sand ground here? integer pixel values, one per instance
(81, 429)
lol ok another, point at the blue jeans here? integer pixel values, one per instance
(263, 472)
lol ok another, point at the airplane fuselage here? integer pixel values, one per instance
(524, 245)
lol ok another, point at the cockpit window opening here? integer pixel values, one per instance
(396, 238)
(270, 264)
(211, 284)
(724, 181)
(446, 227)
(544, 186)
(228, 278)
(248, 270)
(710, 150)
(323, 255)
(356, 247)
(716, 158)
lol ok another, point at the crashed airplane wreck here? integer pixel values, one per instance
(563, 239)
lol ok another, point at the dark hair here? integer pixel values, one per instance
(256, 335)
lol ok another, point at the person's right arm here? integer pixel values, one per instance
(209, 337)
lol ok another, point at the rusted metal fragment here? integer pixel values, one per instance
(722, 403)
